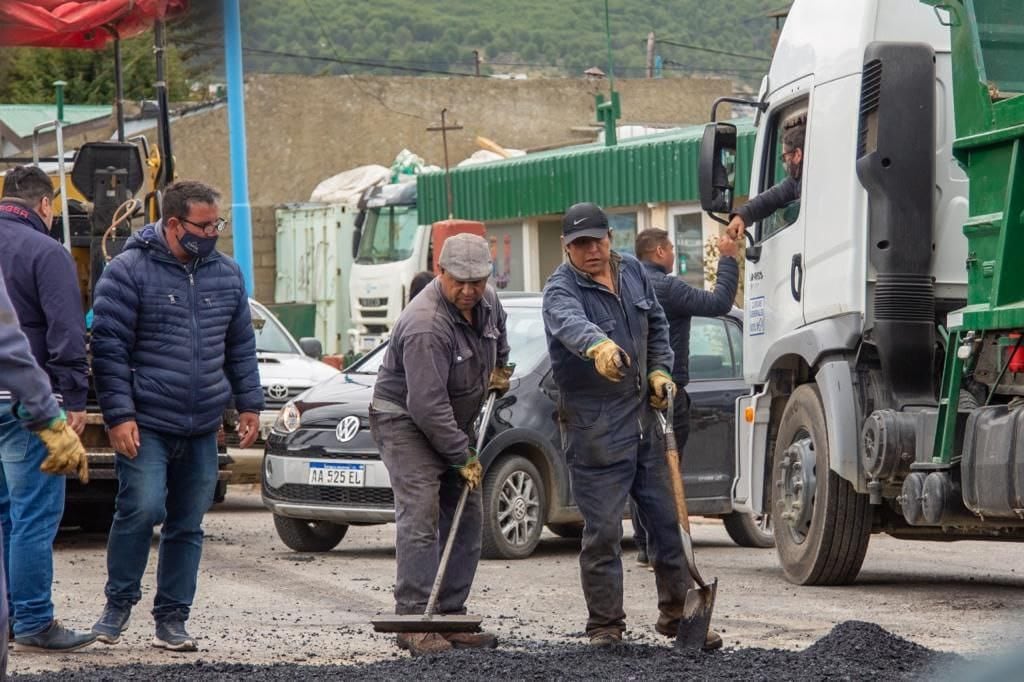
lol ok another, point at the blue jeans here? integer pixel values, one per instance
(31, 506)
(170, 482)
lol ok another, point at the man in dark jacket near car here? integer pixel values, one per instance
(447, 349)
(608, 340)
(41, 281)
(172, 343)
(681, 302)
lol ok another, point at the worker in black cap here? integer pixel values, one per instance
(608, 340)
(448, 348)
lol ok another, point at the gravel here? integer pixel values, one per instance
(853, 650)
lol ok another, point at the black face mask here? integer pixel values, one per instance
(197, 247)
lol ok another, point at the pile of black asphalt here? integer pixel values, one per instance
(853, 650)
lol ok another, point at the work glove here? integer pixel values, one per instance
(661, 383)
(66, 454)
(472, 471)
(609, 359)
(500, 379)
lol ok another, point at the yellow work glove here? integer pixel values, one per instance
(609, 359)
(660, 383)
(472, 471)
(66, 452)
(500, 379)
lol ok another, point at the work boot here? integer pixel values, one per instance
(171, 635)
(55, 639)
(602, 637)
(669, 627)
(423, 643)
(642, 558)
(471, 640)
(112, 623)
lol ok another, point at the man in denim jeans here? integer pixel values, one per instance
(30, 385)
(172, 342)
(40, 279)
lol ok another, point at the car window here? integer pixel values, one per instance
(710, 352)
(527, 344)
(774, 168)
(736, 340)
(270, 335)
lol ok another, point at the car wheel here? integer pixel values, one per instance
(566, 530)
(514, 506)
(750, 530)
(305, 535)
(822, 525)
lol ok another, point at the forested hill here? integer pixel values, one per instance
(537, 37)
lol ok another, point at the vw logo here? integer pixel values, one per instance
(347, 428)
(277, 392)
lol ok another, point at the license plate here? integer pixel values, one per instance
(337, 474)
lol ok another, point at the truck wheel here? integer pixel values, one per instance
(821, 524)
(566, 530)
(750, 530)
(514, 506)
(304, 535)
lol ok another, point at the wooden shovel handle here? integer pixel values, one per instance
(672, 461)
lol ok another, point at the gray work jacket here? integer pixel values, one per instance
(438, 366)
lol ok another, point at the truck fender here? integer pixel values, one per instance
(835, 384)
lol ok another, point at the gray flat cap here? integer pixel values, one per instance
(466, 257)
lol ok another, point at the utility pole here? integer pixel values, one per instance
(650, 54)
(444, 128)
(476, 61)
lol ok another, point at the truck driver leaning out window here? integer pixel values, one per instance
(782, 193)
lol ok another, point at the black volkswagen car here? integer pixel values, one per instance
(322, 472)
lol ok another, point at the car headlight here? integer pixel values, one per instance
(288, 419)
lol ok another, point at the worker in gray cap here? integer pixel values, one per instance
(447, 349)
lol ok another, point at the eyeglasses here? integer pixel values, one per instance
(209, 229)
(785, 155)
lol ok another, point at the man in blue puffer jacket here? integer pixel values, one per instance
(172, 342)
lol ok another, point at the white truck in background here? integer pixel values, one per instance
(391, 248)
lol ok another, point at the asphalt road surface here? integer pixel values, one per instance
(260, 603)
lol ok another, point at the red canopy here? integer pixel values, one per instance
(60, 23)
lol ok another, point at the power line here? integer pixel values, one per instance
(712, 50)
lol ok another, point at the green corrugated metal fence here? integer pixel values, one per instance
(653, 168)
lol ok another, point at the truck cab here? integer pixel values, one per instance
(391, 248)
(847, 284)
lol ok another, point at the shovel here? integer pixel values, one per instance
(700, 601)
(430, 621)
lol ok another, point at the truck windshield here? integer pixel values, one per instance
(388, 234)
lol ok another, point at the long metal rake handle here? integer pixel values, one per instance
(442, 567)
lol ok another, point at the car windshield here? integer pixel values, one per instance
(270, 335)
(388, 234)
(526, 341)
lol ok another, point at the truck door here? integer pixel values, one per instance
(775, 266)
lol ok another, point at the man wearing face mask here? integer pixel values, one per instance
(781, 194)
(172, 343)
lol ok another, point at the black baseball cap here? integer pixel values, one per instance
(584, 220)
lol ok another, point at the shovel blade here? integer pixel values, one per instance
(422, 623)
(696, 620)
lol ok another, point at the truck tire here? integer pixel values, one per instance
(567, 530)
(305, 535)
(750, 530)
(514, 507)
(821, 524)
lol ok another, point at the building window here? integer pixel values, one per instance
(623, 231)
(689, 248)
(506, 242)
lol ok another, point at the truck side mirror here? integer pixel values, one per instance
(357, 232)
(311, 347)
(717, 172)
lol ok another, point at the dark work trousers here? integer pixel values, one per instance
(604, 474)
(681, 424)
(427, 490)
